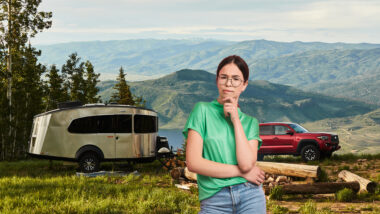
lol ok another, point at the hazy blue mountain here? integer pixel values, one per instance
(173, 96)
(159, 57)
(346, 73)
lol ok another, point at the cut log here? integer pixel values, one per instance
(178, 172)
(316, 188)
(296, 170)
(365, 185)
(190, 175)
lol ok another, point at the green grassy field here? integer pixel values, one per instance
(38, 186)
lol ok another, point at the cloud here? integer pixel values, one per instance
(329, 21)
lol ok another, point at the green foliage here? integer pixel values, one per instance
(91, 79)
(55, 91)
(345, 195)
(323, 177)
(276, 193)
(58, 190)
(276, 209)
(308, 208)
(344, 167)
(123, 94)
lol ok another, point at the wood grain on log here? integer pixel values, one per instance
(316, 188)
(296, 170)
(365, 185)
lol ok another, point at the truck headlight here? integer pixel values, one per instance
(323, 138)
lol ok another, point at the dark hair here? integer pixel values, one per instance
(238, 61)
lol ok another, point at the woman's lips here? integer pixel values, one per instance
(227, 91)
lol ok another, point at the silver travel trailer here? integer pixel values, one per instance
(89, 134)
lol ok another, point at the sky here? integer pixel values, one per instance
(350, 21)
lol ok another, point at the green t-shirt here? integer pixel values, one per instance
(218, 136)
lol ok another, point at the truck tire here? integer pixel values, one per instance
(310, 153)
(89, 162)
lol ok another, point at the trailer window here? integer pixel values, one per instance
(95, 124)
(123, 124)
(145, 124)
(83, 125)
(104, 124)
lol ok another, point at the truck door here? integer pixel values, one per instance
(267, 135)
(283, 140)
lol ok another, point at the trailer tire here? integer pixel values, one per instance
(89, 162)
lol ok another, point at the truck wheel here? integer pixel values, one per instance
(310, 153)
(89, 162)
(260, 157)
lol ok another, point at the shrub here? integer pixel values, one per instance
(276, 193)
(323, 177)
(345, 195)
(345, 167)
(308, 208)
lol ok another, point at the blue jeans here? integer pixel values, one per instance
(241, 198)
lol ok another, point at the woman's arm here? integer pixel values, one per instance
(246, 152)
(196, 163)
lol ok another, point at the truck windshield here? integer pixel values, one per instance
(298, 128)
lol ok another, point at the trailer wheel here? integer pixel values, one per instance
(89, 162)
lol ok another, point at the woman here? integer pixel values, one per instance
(222, 144)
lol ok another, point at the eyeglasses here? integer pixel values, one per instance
(235, 81)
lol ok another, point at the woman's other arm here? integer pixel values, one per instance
(196, 163)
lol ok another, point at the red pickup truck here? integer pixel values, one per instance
(282, 138)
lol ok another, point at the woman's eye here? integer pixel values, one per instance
(223, 77)
(236, 79)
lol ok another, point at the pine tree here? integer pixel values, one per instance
(55, 90)
(91, 79)
(73, 73)
(123, 94)
(28, 94)
(19, 21)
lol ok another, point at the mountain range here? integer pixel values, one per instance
(357, 134)
(173, 97)
(337, 69)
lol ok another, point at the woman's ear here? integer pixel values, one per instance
(245, 84)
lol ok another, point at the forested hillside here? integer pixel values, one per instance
(338, 69)
(173, 96)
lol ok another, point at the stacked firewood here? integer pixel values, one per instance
(282, 174)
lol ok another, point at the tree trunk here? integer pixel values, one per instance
(316, 188)
(9, 65)
(296, 170)
(365, 185)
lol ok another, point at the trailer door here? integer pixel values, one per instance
(123, 136)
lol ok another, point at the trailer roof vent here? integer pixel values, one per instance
(70, 104)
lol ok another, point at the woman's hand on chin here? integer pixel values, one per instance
(230, 108)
